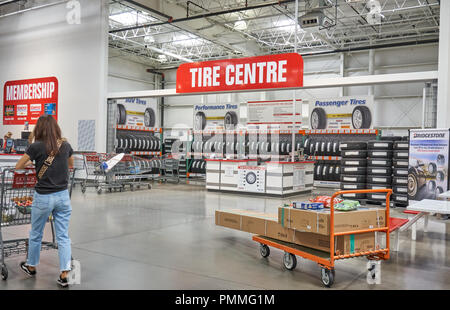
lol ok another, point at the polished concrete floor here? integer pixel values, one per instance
(165, 238)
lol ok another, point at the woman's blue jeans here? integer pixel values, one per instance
(57, 204)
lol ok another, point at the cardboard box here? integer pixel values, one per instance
(267, 225)
(318, 221)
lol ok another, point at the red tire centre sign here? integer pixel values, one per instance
(26, 100)
(261, 72)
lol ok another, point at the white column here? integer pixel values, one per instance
(443, 112)
(371, 90)
(342, 73)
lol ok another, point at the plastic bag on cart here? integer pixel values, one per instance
(326, 200)
(348, 205)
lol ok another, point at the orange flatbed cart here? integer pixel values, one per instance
(326, 259)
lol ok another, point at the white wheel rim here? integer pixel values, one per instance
(412, 185)
(314, 120)
(357, 119)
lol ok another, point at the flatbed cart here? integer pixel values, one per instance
(17, 188)
(324, 259)
(170, 169)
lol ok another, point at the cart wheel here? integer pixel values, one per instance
(327, 277)
(264, 250)
(121, 189)
(289, 261)
(110, 190)
(132, 188)
(4, 273)
(149, 186)
(99, 190)
(83, 189)
(138, 187)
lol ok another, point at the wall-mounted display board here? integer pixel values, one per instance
(26, 100)
(137, 112)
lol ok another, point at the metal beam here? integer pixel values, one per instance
(395, 78)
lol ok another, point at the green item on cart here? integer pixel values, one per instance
(348, 205)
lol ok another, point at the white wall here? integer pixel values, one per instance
(40, 43)
(398, 105)
(125, 75)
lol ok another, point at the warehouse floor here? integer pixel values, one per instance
(166, 238)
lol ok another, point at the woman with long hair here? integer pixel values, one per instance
(52, 156)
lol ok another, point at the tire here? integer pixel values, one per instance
(289, 261)
(121, 114)
(375, 179)
(401, 145)
(345, 170)
(318, 175)
(318, 119)
(440, 176)
(323, 148)
(325, 172)
(391, 138)
(361, 117)
(337, 173)
(336, 150)
(380, 145)
(329, 150)
(327, 277)
(353, 178)
(403, 199)
(400, 181)
(199, 121)
(385, 154)
(353, 146)
(354, 162)
(402, 190)
(352, 186)
(149, 117)
(330, 173)
(317, 148)
(306, 146)
(264, 250)
(400, 163)
(384, 171)
(4, 273)
(432, 168)
(379, 162)
(230, 120)
(377, 196)
(439, 190)
(402, 154)
(440, 160)
(400, 172)
(431, 186)
(354, 154)
(378, 186)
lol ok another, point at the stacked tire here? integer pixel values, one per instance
(327, 171)
(400, 171)
(353, 168)
(315, 147)
(127, 142)
(198, 166)
(379, 168)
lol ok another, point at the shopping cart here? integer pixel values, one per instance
(324, 259)
(170, 169)
(17, 191)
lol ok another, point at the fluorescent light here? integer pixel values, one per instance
(131, 18)
(287, 25)
(162, 58)
(185, 40)
(240, 25)
(149, 39)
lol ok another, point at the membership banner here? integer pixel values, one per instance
(26, 100)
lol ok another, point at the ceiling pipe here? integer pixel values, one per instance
(206, 15)
(9, 2)
(139, 5)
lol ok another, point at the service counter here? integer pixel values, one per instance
(272, 177)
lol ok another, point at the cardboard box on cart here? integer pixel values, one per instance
(267, 225)
(318, 221)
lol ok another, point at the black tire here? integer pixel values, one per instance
(391, 138)
(317, 148)
(402, 190)
(325, 172)
(121, 114)
(337, 173)
(380, 145)
(330, 173)
(384, 171)
(318, 119)
(199, 121)
(377, 196)
(353, 178)
(230, 120)
(440, 160)
(306, 146)
(354, 162)
(385, 154)
(402, 154)
(401, 145)
(289, 261)
(440, 176)
(336, 150)
(353, 146)
(432, 168)
(400, 172)
(361, 117)
(376, 179)
(403, 199)
(354, 154)
(431, 186)
(378, 186)
(319, 169)
(323, 148)
(149, 117)
(400, 163)
(401, 181)
(352, 186)
(379, 162)
(264, 250)
(327, 277)
(345, 170)
(353, 196)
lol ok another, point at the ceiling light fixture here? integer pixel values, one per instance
(240, 25)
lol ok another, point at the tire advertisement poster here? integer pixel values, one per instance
(26, 100)
(142, 112)
(275, 112)
(216, 116)
(428, 163)
(353, 112)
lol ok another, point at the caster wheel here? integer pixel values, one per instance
(132, 188)
(289, 261)
(149, 186)
(99, 191)
(138, 187)
(83, 189)
(121, 189)
(110, 190)
(264, 250)
(327, 277)
(4, 273)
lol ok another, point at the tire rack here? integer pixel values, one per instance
(328, 160)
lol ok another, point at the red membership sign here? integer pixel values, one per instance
(260, 72)
(26, 100)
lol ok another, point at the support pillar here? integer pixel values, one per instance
(443, 101)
